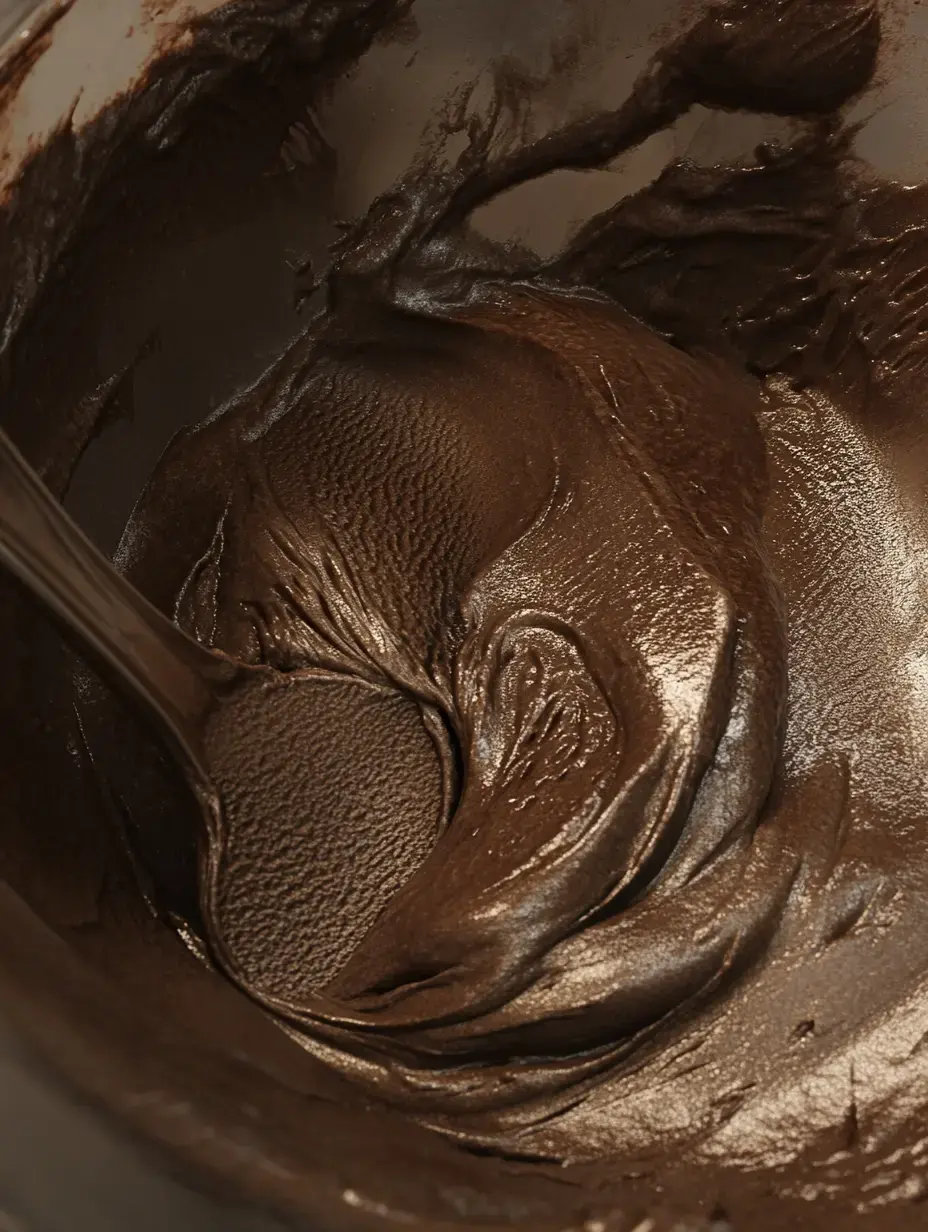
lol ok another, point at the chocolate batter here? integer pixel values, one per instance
(586, 829)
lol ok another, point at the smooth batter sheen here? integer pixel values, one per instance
(604, 834)
(561, 794)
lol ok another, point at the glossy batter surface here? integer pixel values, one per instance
(618, 746)
(595, 833)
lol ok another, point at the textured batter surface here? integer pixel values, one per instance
(579, 814)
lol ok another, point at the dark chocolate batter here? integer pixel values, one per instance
(587, 824)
